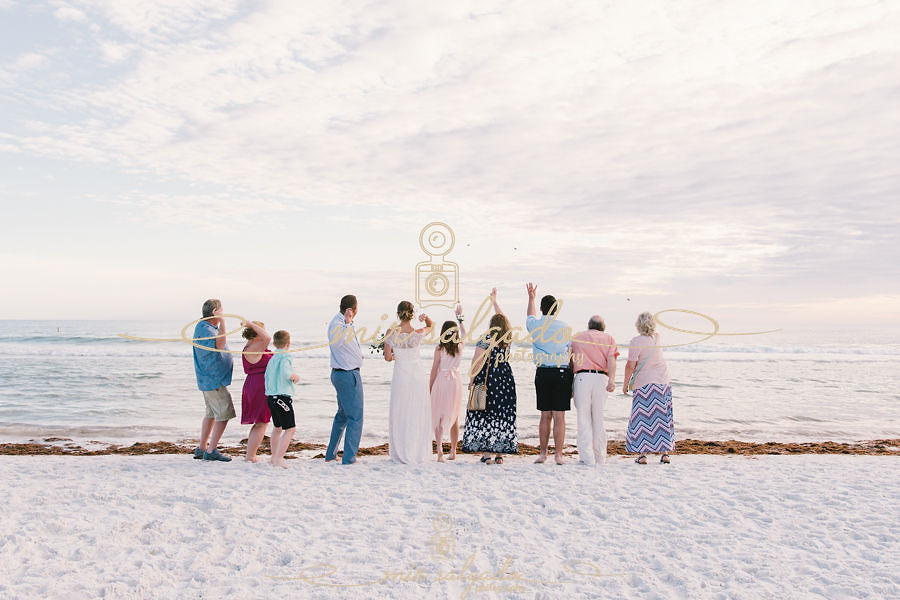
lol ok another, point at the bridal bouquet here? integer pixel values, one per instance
(378, 347)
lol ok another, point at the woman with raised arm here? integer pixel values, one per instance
(409, 423)
(651, 428)
(254, 408)
(493, 430)
(446, 385)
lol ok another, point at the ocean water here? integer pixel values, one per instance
(78, 379)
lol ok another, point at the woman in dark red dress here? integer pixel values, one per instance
(254, 409)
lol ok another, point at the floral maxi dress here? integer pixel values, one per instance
(494, 428)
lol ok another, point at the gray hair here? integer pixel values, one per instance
(211, 306)
(646, 324)
(596, 323)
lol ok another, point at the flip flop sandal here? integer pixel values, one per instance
(664, 459)
(486, 460)
(641, 460)
(498, 460)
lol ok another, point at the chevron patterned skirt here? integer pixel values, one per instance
(651, 427)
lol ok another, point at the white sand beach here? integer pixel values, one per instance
(703, 527)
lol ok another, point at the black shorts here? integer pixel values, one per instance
(553, 386)
(282, 409)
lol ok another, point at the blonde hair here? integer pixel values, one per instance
(646, 324)
(405, 310)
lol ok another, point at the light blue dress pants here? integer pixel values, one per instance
(349, 416)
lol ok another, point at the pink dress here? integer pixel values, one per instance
(254, 408)
(447, 392)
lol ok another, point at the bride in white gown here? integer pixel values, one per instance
(409, 429)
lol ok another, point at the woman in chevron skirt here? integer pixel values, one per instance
(651, 426)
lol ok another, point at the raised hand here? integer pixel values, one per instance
(422, 317)
(531, 288)
(494, 301)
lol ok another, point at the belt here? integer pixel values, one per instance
(592, 371)
(555, 367)
(344, 370)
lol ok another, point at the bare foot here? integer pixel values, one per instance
(453, 456)
(541, 459)
(283, 464)
(251, 459)
(441, 458)
(560, 460)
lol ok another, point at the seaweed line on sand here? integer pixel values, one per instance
(51, 446)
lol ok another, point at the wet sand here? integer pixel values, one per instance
(66, 447)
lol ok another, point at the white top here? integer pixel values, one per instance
(399, 340)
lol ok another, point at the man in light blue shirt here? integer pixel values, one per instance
(346, 359)
(553, 376)
(213, 369)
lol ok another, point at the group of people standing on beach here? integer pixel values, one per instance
(579, 367)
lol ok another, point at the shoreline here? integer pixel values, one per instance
(60, 446)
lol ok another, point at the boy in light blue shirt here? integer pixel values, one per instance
(280, 380)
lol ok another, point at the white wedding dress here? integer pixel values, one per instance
(409, 425)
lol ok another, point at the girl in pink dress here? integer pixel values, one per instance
(446, 385)
(254, 409)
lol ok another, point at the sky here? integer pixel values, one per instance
(733, 158)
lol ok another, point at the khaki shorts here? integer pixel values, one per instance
(218, 404)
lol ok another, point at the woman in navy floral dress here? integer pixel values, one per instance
(493, 430)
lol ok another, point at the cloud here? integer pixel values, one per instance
(68, 13)
(115, 53)
(204, 212)
(659, 145)
(368, 106)
(28, 61)
(12, 71)
(159, 20)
